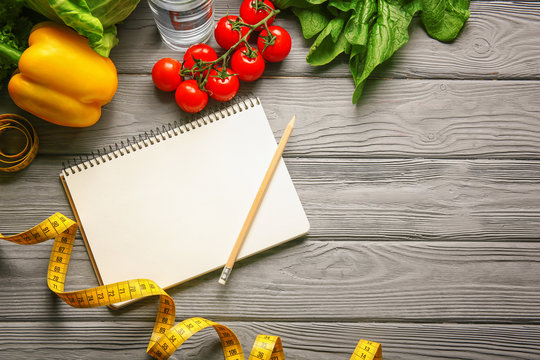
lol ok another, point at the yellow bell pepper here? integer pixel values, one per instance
(61, 79)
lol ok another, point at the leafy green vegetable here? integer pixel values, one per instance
(313, 20)
(284, 4)
(444, 19)
(388, 34)
(371, 31)
(357, 29)
(330, 43)
(15, 28)
(94, 19)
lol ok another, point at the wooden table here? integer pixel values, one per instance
(424, 201)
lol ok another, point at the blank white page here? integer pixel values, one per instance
(173, 210)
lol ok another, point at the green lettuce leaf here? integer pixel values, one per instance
(111, 12)
(444, 19)
(94, 19)
(43, 8)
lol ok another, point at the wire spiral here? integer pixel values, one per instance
(152, 137)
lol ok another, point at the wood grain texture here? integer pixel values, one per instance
(395, 118)
(497, 42)
(301, 341)
(305, 280)
(423, 201)
(351, 199)
(346, 201)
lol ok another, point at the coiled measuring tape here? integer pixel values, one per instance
(23, 157)
(166, 336)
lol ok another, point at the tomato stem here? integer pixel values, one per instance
(200, 67)
(269, 38)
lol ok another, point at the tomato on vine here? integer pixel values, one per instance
(253, 11)
(275, 46)
(248, 63)
(229, 31)
(166, 74)
(222, 84)
(189, 97)
(202, 52)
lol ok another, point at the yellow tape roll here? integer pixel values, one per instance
(23, 158)
(166, 337)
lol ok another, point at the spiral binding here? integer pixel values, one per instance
(151, 137)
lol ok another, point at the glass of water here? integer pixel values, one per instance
(182, 23)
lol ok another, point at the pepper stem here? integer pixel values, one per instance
(9, 53)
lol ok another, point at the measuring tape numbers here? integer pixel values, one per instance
(166, 336)
(23, 157)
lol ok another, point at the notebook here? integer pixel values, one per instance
(169, 206)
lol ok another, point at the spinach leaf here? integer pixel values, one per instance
(313, 20)
(371, 30)
(444, 19)
(341, 5)
(330, 43)
(357, 61)
(357, 28)
(303, 4)
(389, 33)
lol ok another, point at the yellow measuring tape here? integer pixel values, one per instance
(166, 337)
(22, 158)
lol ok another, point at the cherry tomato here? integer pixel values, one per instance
(253, 15)
(222, 89)
(279, 49)
(198, 51)
(189, 97)
(248, 68)
(227, 36)
(166, 74)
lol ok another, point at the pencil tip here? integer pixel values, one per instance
(291, 123)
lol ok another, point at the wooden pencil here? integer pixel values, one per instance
(257, 202)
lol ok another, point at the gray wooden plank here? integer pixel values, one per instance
(395, 118)
(302, 341)
(351, 199)
(349, 283)
(498, 42)
(345, 200)
(460, 282)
